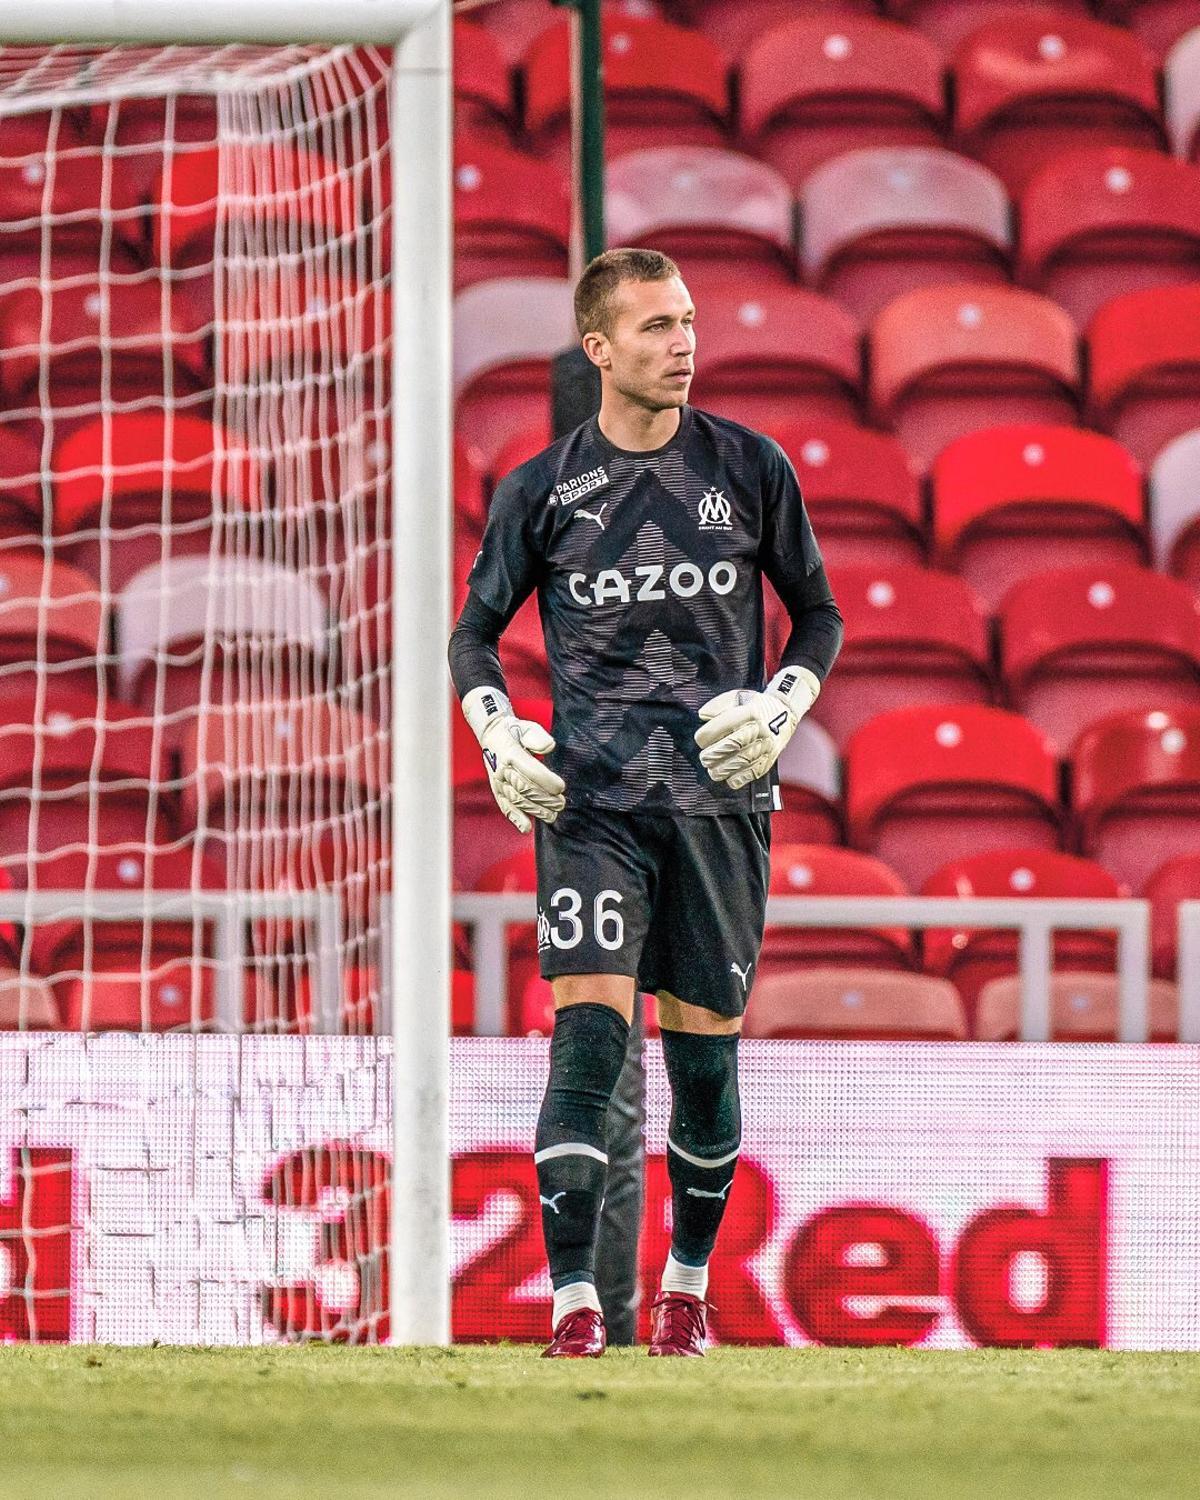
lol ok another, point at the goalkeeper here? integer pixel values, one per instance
(646, 533)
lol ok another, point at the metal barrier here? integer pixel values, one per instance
(1187, 970)
(1036, 921)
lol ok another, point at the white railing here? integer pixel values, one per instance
(1187, 972)
(1036, 922)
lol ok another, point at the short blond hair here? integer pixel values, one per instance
(596, 289)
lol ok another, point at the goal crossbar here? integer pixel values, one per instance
(194, 22)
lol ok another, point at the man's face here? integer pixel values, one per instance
(652, 345)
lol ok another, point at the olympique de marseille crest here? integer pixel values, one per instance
(715, 511)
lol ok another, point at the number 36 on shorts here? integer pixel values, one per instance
(565, 924)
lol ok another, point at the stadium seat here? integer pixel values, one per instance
(823, 84)
(137, 488)
(725, 218)
(663, 84)
(1145, 367)
(947, 22)
(1033, 83)
(26, 1002)
(521, 447)
(523, 653)
(22, 521)
(1175, 507)
(859, 489)
(483, 836)
(889, 219)
(469, 504)
(515, 23)
(1078, 644)
(1175, 880)
(951, 360)
(1181, 86)
(1136, 790)
(1100, 221)
(359, 1013)
(483, 101)
(512, 213)
(1012, 501)
(855, 1005)
(775, 354)
(1159, 23)
(913, 636)
(1083, 1008)
(810, 785)
(816, 870)
(972, 956)
(177, 997)
(52, 626)
(735, 24)
(516, 872)
(197, 630)
(506, 332)
(929, 784)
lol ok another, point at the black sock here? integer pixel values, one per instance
(703, 1140)
(587, 1052)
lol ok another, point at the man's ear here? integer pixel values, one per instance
(595, 346)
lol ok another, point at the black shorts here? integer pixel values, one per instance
(678, 903)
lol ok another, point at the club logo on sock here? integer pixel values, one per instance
(742, 974)
(694, 1192)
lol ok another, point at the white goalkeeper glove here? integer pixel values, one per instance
(745, 732)
(522, 786)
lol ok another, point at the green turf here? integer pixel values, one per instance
(319, 1421)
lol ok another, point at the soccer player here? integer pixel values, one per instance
(646, 532)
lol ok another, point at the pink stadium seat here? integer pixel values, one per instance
(1083, 1008)
(889, 219)
(177, 997)
(1145, 367)
(972, 956)
(506, 332)
(1181, 85)
(725, 218)
(483, 102)
(1082, 643)
(512, 213)
(947, 22)
(929, 784)
(1176, 879)
(810, 785)
(860, 491)
(857, 1005)
(950, 360)
(776, 354)
(1175, 507)
(1104, 220)
(52, 625)
(736, 24)
(26, 1002)
(662, 84)
(137, 488)
(1034, 82)
(1012, 501)
(913, 636)
(1159, 23)
(816, 870)
(823, 84)
(1136, 790)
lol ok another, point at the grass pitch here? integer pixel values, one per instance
(499, 1422)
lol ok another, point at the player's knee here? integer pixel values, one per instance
(677, 1015)
(613, 990)
(706, 1109)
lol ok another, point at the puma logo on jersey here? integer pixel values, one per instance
(574, 489)
(742, 974)
(593, 515)
(651, 581)
(703, 1193)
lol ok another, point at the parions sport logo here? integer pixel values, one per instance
(651, 581)
(580, 485)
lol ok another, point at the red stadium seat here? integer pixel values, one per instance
(21, 511)
(776, 354)
(1181, 84)
(735, 24)
(1175, 507)
(521, 447)
(1104, 220)
(514, 24)
(1159, 23)
(816, 870)
(506, 332)
(855, 1004)
(890, 219)
(860, 491)
(913, 636)
(1034, 83)
(516, 872)
(810, 785)
(1083, 1008)
(177, 997)
(512, 213)
(1136, 790)
(662, 84)
(824, 84)
(929, 784)
(1012, 501)
(468, 485)
(1145, 367)
(725, 218)
(52, 625)
(483, 102)
(946, 361)
(133, 489)
(358, 1015)
(947, 22)
(26, 1002)
(1078, 644)
(972, 956)
(1176, 879)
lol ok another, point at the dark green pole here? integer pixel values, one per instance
(588, 91)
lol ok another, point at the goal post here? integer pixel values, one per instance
(412, 692)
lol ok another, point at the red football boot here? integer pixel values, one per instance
(678, 1324)
(579, 1335)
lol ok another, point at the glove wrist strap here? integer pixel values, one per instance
(482, 707)
(797, 686)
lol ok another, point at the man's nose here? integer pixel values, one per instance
(684, 341)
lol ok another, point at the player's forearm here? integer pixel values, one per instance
(817, 629)
(474, 649)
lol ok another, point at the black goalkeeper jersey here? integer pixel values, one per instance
(648, 568)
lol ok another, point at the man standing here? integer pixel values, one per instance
(646, 532)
